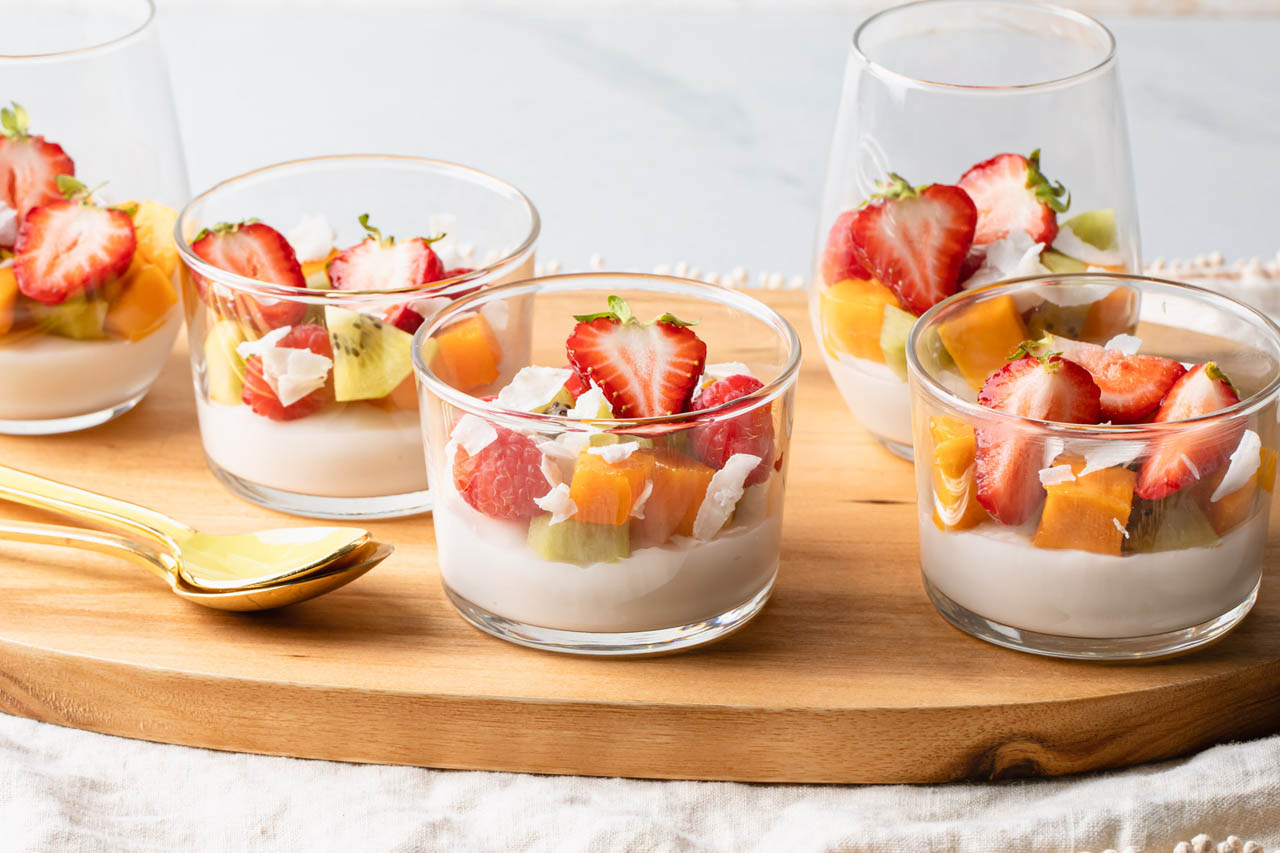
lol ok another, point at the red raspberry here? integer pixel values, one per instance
(403, 317)
(260, 396)
(502, 480)
(750, 432)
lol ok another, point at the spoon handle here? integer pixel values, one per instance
(89, 506)
(162, 565)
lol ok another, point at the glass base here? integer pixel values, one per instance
(904, 451)
(1092, 648)
(312, 506)
(52, 426)
(629, 644)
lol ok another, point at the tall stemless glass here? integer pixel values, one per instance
(304, 391)
(1018, 105)
(88, 296)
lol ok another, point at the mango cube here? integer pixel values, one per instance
(466, 354)
(153, 226)
(8, 298)
(852, 312)
(955, 486)
(1114, 314)
(679, 485)
(605, 492)
(142, 303)
(1089, 513)
(982, 338)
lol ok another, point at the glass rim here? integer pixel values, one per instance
(277, 291)
(884, 71)
(928, 382)
(569, 282)
(109, 44)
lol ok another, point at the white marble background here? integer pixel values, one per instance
(675, 133)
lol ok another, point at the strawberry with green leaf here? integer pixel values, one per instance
(29, 165)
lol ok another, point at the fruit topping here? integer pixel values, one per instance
(8, 298)
(852, 314)
(1012, 194)
(751, 432)
(1170, 524)
(916, 240)
(1087, 512)
(578, 542)
(312, 239)
(503, 478)
(29, 166)
(466, 354)
(840, 258)
(1231, 493)
(1007, 460)
(383, 263)
(285, 372)
(982, 337)
(679, 486)
(223, 366)
(71, 247)
(82, 318)
(893, 339)
(370, 358)
(143, 303)
(254, 250)
(1132, 386)
(574, 385)
(607, 492)
(538, 389)
(1192, 453)
(723, 493)
(955, 489)
(153, 224)
(645, 369)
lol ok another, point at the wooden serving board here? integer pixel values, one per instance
(848, 675)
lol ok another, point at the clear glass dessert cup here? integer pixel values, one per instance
(1016, 104)
(645, 536)
(1110, 541)
(91, 169)
(305, 394)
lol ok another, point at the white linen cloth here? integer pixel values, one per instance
(62, 789)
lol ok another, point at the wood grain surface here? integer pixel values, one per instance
(848, 675)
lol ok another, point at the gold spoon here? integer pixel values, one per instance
(204, 560)
(264, 595)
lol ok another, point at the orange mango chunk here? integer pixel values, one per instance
(1089, 513)
(852, 312)
(1267, 470)
(310, 268)
(142, 303)
(403, 398)
(605, 492)
(1114, 314)
(679, 485)
(153, 226)
(982, 338)
(467, 354)
(8, 298)
(955, 487)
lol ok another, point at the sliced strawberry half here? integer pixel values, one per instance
(645, 369)
(66, 248)
(839, 258)
(915, 240)
(1012, 194)
(1008, 459)
(29, 165)
(254, 250)
(1132, 385)
(1177, 461)
(382, 263)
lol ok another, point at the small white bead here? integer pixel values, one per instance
(539, 270)
(597, 262)
(711, 278)
(694, 272)
(796, 282)
(553, 267)
(1156, 265)
(662, 269)
(740, 275)
(776, 280)
(682, 269)
(763, 279)
(1215, 259)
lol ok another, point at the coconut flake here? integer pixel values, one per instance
(8, 225)
(1195, 472)
(591, 405)
(291, 372)
(1120, 526)
(558, 503)
(446, 247)
(1108, 454)
(1126, 344)
(1056, 475)
(615, 453)
(312, 238)
(723, 493)
(1244, 464)
(533, 388)
(261, 345)
(473, 434)
(1068, 243)
(637, 508)
(551, 470)
(1014, 256)
(724, 370)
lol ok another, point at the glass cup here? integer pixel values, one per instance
(91, 170)
(1114, 541)
(561, 528)
(961, 93)
(337, 435)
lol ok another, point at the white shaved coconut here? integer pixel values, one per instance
(1056, 475)
(591, 405)
(1071, 245)
(637, 506)
(723, 493)
(473, 434)
(615, 453)
(262, 344)
(1014, 256)
(723, 370)
(1244, 464)
(312, 238)
(1120, 526)
(291, 372)
(558, 503)
(1126, 344)
(1109, 454)
(551, 470)
(533, 388)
